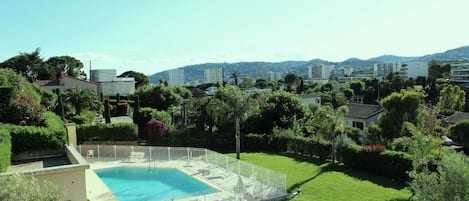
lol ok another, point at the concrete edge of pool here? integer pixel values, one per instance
(224, 184)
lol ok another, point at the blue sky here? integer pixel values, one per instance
(150, 36)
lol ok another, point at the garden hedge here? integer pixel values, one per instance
(392, 164)
(5, 149)
(107, 132)
(29, 138)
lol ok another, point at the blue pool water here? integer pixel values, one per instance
(140, 184)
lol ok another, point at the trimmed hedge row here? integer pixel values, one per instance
(393, 164)
(107, 132)
(30, 138)
(5, 149)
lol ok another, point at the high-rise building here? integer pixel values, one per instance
(320, 71)
(413, 70)
(175, 76)
(213, 75)
(383, 69)
(272, 76)
(460, 73)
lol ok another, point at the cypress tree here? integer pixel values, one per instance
(107, 114)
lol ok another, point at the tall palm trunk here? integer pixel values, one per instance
(237, 135)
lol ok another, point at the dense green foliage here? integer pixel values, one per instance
(452, 99)
(107, 132)
(69, 65)
(449, 182)
(20, 102)
(162, 97)
(387, 163)
(459, 132)
(395, 115)
(29, 138)
(27, 188)
(5, 149)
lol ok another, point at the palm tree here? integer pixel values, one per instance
(235, 104)
(235, 75)
(82, 99)
(332, 125)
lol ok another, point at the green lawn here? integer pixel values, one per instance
(319, 182)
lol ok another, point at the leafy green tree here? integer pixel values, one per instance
(281, 108)
(69, 65)
(235, 76)
(162, 97)
(248, 82)
(437, 70)
(357, 86)
(291, 81)
(29, 65)
(452, 98)
(261, 84)
(27, 188)
(400, 107)
(236, 105)
(140, 78)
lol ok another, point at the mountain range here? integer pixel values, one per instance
(256, 69)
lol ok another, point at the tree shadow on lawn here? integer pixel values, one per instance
(326, 166)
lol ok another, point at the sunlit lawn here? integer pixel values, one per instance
(320, 182)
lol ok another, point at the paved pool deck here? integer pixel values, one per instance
(218, 178)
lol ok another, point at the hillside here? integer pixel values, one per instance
(256, 69)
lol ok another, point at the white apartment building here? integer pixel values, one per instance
(320, 71)
(460, 72)
(109, 84)
(413, 70)
(175, 76)
(383, 69)
(272, 76)
(213, 75)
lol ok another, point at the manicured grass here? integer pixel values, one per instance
(318, 181)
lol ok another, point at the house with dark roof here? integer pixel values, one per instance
(454, 118)
(362, 115)
(64, 82)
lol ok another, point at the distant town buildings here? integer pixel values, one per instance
(213, 75)
(272, 76)
(320, 71)
(109, 84)
(175, 77)
(460, 73)
(382, 70)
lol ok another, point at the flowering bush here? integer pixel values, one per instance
(155, 128)
(373, 148)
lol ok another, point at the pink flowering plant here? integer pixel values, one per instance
(155, 128)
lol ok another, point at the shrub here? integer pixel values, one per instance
(309, 146)
(458, 132)
(29, 138)
(86, 117)
(107, 132)
(5, 149)
(393, 164)
(154, 128)
(263, 142)
(21, 187)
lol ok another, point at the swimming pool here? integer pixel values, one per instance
(138, 184)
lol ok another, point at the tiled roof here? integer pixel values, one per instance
(363, 111)
(48, 82)
(458, 116)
